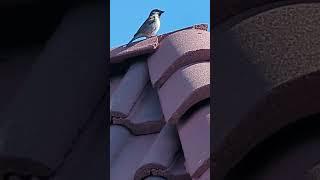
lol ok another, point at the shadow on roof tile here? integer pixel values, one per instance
(146, 116)
(114, 83)
(162, 156)
(58, 96)
(131, 152)
(194, 133)
(186, 87)
(88, 157)
(177, 50)
(129, 90)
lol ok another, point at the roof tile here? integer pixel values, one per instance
(203, 27)
(177, 50)
(118, 138)
(114, 82)
(162, 153)
(122, 53)
(132, 150)
(129, 90)
(146, 116)
(194, 133)
(184, 88)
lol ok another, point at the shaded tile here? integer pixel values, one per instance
(129, 90)
(119, 137)
(184, 88)
(143, 47)
(114, 83)
(162, 156)
(177, 50)
(14, 70)
(130, 155)
(194, 133)
(146, 116)
(272, 65)
(88, 156)
(58, 96)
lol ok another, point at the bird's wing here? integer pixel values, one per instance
(144, 26)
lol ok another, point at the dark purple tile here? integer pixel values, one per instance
(272, 59)
(88, 156)
(64, 86)
(177, 50)
(184, 88)
(129, 90)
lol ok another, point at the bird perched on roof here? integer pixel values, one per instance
(150, 27)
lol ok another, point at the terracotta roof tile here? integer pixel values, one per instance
(146, 116)
(194, 133)
(177, 50)
(129, 90)
(184, 88)
(122, 53)
(131, 151)
(161, 154)
(203, 27)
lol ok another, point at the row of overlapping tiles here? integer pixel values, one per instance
(153, 96)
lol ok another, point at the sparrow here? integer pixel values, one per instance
(150, 27)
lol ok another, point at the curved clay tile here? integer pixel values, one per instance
(146, 116)
(131, 152)
(282, 46)
(177, 50)
(194, 133)
(114, 82)
(118, 139)
(186, 87)
(227, 9)
(60, 94)
(143, 47)
(162, 155)
(203, 27)
(129, 90)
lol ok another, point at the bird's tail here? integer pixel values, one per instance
(131, 40)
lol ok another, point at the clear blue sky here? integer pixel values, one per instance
(128, 15)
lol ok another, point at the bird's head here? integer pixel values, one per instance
(156, 12)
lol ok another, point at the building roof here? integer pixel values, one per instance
(160, 108)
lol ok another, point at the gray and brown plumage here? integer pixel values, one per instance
(150, 27)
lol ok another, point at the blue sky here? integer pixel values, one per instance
(128, 15)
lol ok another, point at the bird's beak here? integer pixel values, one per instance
(161, 12)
